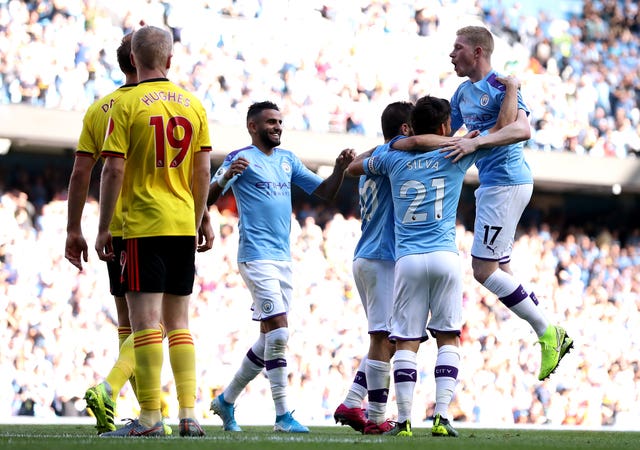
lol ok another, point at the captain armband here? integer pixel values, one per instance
(219, 177)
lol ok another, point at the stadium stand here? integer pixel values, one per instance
(579, 246)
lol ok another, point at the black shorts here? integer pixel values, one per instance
(160, 264)
(114, 268)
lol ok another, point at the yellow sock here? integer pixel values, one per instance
(147, 345)
(123, 334)
(123, 368)
(182, 355)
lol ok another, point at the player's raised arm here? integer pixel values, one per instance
(330, 186)
(509, 108)
(506, 131)
(423, 142)
(222, 177)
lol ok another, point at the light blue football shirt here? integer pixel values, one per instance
(377, 240)
(263, 196)
(477, 106)
(426, 188)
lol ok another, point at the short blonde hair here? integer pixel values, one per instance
(478, 37)
(151, 46)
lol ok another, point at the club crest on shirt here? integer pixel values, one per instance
(267, 306)
(484, 100)
(285, 166)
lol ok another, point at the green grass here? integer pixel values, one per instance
(69, 437)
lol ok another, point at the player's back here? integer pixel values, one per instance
(426, 188)
(377, 240)
(158, 127)
(94, 129)
(95, 121)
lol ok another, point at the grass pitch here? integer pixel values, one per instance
(71, 437)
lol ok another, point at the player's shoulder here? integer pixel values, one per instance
(466, 84)
(104, 103)
(492, 81)
(284, 152)
(239, 152)
(286, 155)
(382, 148)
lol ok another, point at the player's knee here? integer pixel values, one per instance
(278, 338)
(483, 269)
(479, 276)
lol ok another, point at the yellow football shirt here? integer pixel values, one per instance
(94, 130)
(157, 127)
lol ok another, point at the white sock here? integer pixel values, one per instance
(517, 299)
(446, 375)
(358, 389)
(405, 374)
(252, 364)
(378, 380)
(276, 364)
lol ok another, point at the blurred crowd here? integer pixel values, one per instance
(334, 65)
(60, 333)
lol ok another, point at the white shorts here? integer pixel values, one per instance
(374, 281)
(270, 285)
(427, 283)
(498, 211)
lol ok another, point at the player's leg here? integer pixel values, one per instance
(101, 399)
(378, 372)
(252, 364)
(405, 374)
(498, 211)
(118, 289)
(380, 280)
(271, 289)
(179, 260)
(350, 411)
(408, 330)
(446, 376)
(182, 356)
(445, 323)
(147, 340)
(145, 279)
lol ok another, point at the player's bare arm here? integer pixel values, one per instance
(200, 185)
(330, 186)
(506, 131)
(509, 107)
(423, 142)
(110, 185)
(358, 161)
(76, 249)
